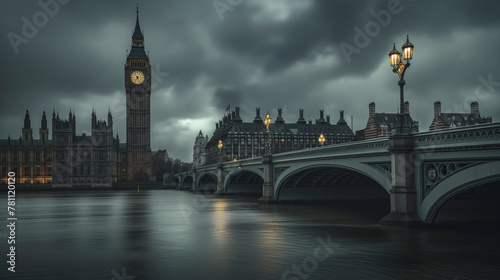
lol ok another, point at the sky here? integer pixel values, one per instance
(205, 55)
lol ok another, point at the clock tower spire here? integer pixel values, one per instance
(138, 91)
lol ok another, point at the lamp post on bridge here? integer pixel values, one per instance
(220, 145)
(267, 160)
(180, 176)
(321, 139)
(220, 165)
(401, 62)
(403, 194)
(267, 122)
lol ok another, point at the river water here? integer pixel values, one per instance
(169, 234)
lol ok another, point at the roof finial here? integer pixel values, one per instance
(137, 8)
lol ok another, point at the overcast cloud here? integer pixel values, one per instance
(249, 53)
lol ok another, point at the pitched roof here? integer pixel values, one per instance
(137, 53)
(458, 119)
(137, 30)
(387, 119)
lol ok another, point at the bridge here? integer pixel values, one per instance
(419, 173)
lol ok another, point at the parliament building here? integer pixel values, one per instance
(96, 160)
(248, 139)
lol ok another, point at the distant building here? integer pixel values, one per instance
(160, 158)
(30, 159)
(248, 139)
(383, 124)
(84, 160)
(99, 159)
(199, 150)
(447, 120)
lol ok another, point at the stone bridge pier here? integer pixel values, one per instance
(403, 193)
(268, 186)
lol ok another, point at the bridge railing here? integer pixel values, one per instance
(379, 145)
(467, 135)
(349, 148)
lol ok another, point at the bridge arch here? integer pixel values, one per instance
(483, 174)
(187, 182)
(334, 181)
(206, 181)
(244, 181)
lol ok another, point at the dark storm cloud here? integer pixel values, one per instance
(225, 96)
(265, 54)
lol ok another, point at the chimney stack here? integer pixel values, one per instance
(474, 109)
(301, 119)
(371, 111)
(328, 119)
(321, 117)
(279, 119)
(437, 109)
(236, 117)
(257, 119)
(341, 120)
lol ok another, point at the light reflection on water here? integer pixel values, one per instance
(167, 234)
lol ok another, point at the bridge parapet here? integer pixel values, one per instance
(343, 149)
(465, 136)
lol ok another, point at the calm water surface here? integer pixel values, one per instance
(168, 234)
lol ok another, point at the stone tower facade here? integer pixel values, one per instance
(199, 150)
(63, 134)
(138, 91)
(44, 131)
(27, 131)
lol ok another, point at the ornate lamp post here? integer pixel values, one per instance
(321, 139)
(401, 62)
(267, 122)
(220, 145)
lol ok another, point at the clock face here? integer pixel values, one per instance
(137, 77)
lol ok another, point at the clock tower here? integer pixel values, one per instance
(138, 89)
